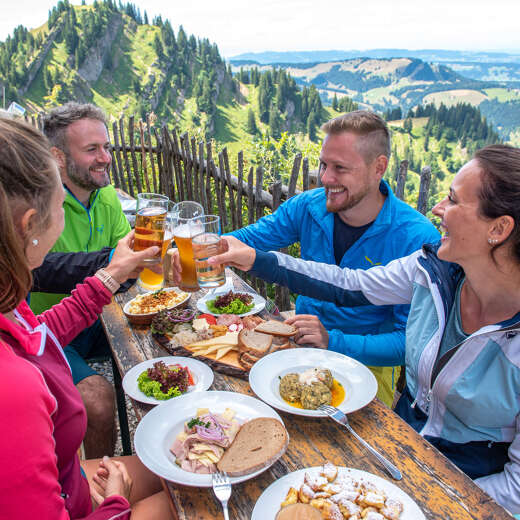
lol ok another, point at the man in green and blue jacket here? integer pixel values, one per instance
(93, 220)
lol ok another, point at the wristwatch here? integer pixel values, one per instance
(110, 283)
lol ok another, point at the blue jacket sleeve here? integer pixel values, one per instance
(273, 231)
(386, 350)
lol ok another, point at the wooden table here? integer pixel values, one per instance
(441, 489)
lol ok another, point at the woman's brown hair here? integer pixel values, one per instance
(28, 178)
(500, 191)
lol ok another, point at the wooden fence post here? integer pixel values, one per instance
(240, 188)
(150, 152)
(128, 172)
(143, 157)
(401, 181)
(424, 190)
(137, 173)
(305, 174)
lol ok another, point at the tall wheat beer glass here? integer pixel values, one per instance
(206, 244)
(148, 279)
(187, 225)
(150, 223)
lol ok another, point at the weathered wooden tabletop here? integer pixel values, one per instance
(441, 490)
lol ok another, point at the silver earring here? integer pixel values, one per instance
(493, 241)
(34, 241)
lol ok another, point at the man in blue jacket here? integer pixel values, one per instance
(353, 221)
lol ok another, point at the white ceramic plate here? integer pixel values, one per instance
(159, 427)
(258, 301)
(202, 377)
(359, 383)
(269, 502)
(126, 308)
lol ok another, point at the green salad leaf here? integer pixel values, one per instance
(236, 306)
(152, 388)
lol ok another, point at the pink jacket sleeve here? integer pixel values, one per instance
(77, 312)
(29, 485)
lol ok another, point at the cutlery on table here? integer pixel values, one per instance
(338, 416)
(222, 490)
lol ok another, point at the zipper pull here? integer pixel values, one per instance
(428, 399)
(412, 406)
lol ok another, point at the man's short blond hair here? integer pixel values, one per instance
(367, 125)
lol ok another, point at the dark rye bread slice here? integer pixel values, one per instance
(254, 343)
(258, 444)
(276, 328)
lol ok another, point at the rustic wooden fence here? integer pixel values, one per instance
(151, 159)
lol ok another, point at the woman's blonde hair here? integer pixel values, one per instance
(28, 178)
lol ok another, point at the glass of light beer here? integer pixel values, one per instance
(148, 279)
(187, 224)
(205, 244)
(150, 223)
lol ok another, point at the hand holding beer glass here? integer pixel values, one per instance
(150, 224)
(206, 244)
(187, 225)
(152, 280)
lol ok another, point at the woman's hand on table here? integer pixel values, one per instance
(237, 254)
(127, 263)
(111, 478)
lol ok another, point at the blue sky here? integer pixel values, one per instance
(253, 26)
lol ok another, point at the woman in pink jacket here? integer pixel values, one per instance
(43, 417)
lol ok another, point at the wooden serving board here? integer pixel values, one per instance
(227, 364)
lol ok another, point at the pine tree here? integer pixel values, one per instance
(275, 123)
(158, 46)
(311, 126)
(335, 102)
(251, 122)
(47, 79)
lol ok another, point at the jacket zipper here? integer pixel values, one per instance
(434, 339)
(458, 346)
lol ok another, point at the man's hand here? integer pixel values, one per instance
(112, 478)
(175, 265)
(126, 263)
(237, 254)
(310, 330)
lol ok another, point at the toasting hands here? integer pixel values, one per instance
(127, 263)
(237, 254)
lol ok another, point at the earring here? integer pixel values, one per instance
(492, 241)
(34, 241)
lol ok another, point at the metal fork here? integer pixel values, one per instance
(338, 416)
(222, 490)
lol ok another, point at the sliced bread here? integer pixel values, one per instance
(276, 328)
(247, 360)
(279, 343)
(258, 444)
(254, 343)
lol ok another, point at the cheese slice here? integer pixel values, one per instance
(221, 352)
(231, 338)
(214, 348)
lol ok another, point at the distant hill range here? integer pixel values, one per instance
(388, 78)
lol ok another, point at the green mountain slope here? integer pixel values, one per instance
(114, 56)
